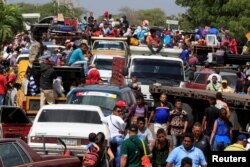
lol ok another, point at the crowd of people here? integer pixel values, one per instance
(170, 138)
(166, 134)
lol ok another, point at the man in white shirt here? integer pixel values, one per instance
(217, 74)
(116, 127)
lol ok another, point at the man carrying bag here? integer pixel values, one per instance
(134, 152)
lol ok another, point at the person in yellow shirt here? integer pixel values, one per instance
(225, 88)
(239, 145)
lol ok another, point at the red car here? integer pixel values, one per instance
(15, 152)
(14, 123)
(200, 80)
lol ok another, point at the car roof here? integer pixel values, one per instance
(156, 57)
(71, 107)
(102, 88)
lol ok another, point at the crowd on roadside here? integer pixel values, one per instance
(166, 135)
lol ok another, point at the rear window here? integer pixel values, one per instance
(108, 45)
(13, 116)
(70, 116)
(101, 99)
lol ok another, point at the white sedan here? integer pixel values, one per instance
(71, 123)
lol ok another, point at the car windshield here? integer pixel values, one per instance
(101, 99)
(103, 64)
(157, 70)
(70, 116)
(108, 45)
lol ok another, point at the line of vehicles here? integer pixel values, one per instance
(71, 123)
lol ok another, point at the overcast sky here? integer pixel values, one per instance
(113, 6)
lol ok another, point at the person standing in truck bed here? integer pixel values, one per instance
(48, 74)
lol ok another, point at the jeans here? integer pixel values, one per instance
(84, 64)
(116, 149)
(219, 146)
(152, 49)
(2, 99)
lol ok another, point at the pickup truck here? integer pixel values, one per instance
(31, 104)
(15, 152)
(200, 80)
(14, 123)
(110, 46)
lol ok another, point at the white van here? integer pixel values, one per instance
(71, 123)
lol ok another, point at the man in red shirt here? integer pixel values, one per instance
(3, 83)
(153, 41)
(93, 75)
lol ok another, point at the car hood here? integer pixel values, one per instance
(66, 129)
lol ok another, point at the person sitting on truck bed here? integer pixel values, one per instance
(78, 56)
(214, 85)
(153, 41)
(225, 87)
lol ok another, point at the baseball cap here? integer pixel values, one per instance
(84, 41)
(121, 103)
(133, 128)
(224, 81)
(242, 137)
(67, 41)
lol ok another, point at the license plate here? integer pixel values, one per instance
(71, 142)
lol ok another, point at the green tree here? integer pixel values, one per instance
(155, 16)
(10, 22)
(232, 14)
(51, 9)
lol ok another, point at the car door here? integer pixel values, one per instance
(200, 81)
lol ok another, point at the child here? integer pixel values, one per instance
(92, 144)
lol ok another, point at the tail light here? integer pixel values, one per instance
(43, 139)
(84, 141)
(24, 106)
(1, 131)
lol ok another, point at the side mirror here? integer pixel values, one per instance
(125, 71)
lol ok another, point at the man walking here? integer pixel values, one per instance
(187, 149)
(132, 149)
(116, 127)
(178, 123)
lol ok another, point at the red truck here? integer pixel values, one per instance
(15, 152)
(14, 123)
(200, 80)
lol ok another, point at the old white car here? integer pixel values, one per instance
(70, 123)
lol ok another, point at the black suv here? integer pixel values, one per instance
(104, 96)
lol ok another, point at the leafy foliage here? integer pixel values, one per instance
(51, 9)
(10, 22)
(232, 14)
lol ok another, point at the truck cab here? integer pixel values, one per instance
(155, 69)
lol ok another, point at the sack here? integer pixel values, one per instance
(145, 160)
(90, 159)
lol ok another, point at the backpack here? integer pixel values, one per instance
(91, 159)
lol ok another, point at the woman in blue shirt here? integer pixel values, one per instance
(222, 132)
